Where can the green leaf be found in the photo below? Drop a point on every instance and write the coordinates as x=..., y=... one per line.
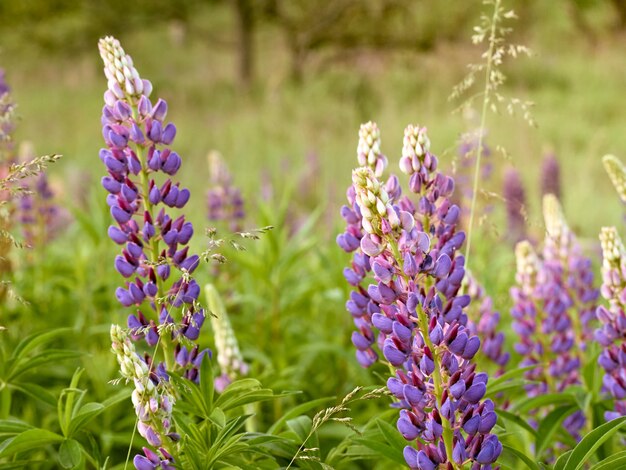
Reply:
x=33, y=341
x=28, y=440
x=50, y=356
x=84, y=415
x=381, y=449
x=392, y=436
x=70, y=453
x=297, y=411
x=120, y=396
x=13, y=427
x=218, y=417
x=521, y=456
x=549, y=425
x=37, y=392
x=562, y=460
x=301, y=427
x=544, y=400
x=513, y=374
x=613, y=462
x=590, y=443
x=508, y=416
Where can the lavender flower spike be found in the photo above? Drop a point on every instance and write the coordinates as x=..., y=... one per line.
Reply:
x=224, y=200
x=413, y=302
x=551, y=175
x=155, y=258
x=515, y=199
x=612, y=332
x=617, y=173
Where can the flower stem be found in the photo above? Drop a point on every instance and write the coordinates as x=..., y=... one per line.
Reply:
x=481, y=129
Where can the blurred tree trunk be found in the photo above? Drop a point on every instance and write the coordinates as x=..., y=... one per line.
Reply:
x=620, y=7
x=246, y=23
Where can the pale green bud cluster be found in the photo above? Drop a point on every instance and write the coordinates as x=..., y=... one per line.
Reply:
x=617, y=173
x=229, y=356
x=368, y=150
x=527, y=265
x=119, y=68
x=415, y=145
x=612, y=247
x=560, y=238
x=373, y=202
x=153, y=404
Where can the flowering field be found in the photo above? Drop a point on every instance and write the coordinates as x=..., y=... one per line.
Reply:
x=398, y=260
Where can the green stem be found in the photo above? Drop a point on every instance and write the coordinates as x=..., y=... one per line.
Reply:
x=481, y=129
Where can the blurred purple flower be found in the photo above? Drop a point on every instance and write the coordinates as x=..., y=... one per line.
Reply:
x=551, y=176
x=224, y=200
x=515, y=200
x=554, y=308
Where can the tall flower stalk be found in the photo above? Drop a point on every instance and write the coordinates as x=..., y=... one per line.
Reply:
x=612, y=331
x=155, y=258
x=414, y=300
x=554, y=305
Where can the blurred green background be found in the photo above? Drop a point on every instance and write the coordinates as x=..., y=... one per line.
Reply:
x=270, y=82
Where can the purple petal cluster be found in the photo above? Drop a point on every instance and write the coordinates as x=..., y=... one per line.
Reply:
x=612, y=331
x=515, y=201
x=413, y=302
x=484, y=322
x=155, y=258
x=224, y=200
x=42, y=220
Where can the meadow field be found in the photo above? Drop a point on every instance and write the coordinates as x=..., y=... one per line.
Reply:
x=272, y=279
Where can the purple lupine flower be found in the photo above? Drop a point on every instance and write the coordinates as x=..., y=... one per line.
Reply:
x=551, y=176
x=612, y=331
x=555, y=301
x=515, y=201
x=7, y=157
x=413, y=297
x=567, y=265
x=224, y=200
x=484, y=321
x=155, y=259
x=42, y=220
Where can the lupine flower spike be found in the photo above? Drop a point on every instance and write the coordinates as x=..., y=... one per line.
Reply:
x=224, y=200
x=414, y=303
x=612, y=331
x=155, y=260
x=616, y=171
x=42, y=220
x=7, y=157
x=229, y=357
x=554, y=301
